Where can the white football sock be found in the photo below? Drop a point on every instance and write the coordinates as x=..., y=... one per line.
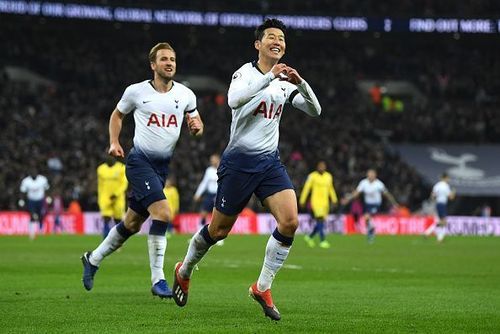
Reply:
x=32, y=227
x=198, y=247
x=157, y=245
x=441, y=233
x=276, y=254
x=111, y=243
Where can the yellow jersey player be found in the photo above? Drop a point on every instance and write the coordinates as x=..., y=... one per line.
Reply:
x=320, y=185
x=172, y=195
x=111, y=187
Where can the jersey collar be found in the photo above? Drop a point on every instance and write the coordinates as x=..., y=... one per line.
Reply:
x=254, y=64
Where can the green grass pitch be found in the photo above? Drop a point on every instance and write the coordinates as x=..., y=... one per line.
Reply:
x=397, y=285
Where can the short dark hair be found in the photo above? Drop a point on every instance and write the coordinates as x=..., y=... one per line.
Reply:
x=269, y=23
x=444, y=175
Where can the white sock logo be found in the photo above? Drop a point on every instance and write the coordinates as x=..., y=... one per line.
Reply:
x=147, y=184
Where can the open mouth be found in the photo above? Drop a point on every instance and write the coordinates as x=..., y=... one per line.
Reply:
x=275, y=50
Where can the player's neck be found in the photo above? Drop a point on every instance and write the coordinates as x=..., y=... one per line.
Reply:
x=265, y=64
x=161, y=85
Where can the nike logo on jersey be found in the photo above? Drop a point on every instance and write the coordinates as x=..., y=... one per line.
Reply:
x=144, y=102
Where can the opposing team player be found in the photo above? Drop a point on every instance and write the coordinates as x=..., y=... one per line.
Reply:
x=251, y=163
x=111, y=187
x=372, y=189
x=320, y=184
x=159, y=106
x=441, y=193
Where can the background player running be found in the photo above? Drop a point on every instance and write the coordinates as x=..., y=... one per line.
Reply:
x=372, y=189
x=441, y=193
x=251, y=164
x=320, y=184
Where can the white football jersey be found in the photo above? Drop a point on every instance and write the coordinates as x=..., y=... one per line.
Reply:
x=441, y=190
x=255, y=123
x=372, y=191
x=158, y=116
x=35, y=187
x=208, y=183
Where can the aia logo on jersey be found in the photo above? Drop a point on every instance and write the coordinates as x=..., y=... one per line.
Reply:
x=162, y=120
x=267, y=112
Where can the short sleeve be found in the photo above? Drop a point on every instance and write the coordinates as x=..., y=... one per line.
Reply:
x=127, y=102
x=382, y=186
x=360, y=187
x=191, y=105
x=23, y=187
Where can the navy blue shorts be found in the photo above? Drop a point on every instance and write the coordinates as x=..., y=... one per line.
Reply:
x=35, y=208
x=371, y=209
x=235, y=188
x=441, y=210
x=208, y=202
x=147, y=177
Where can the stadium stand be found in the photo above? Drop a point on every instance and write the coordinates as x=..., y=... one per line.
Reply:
x=86, y=66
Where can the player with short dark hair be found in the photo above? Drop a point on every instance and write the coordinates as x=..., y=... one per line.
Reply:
x=159, y=107
x=251, y=163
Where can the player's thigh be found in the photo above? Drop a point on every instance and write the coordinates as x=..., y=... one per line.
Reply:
x=320, y=211
x=221, y=224
x=119, y=209
x=283, y=206
x=234, y=190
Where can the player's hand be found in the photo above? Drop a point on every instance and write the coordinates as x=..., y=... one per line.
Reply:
x=116, y=150
x=196, y=198
x=194, y=124
x=280, y=71
x=293, y=76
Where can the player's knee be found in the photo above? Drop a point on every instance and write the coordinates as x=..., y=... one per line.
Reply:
x=219, y=232
x=289, y=225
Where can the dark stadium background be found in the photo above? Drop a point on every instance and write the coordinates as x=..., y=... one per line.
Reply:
x=90, y=62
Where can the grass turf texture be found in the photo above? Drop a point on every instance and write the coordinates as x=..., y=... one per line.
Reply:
x=398, y=285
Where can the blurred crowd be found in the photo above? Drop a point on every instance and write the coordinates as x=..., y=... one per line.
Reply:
x=401, y=8
x=61, y=127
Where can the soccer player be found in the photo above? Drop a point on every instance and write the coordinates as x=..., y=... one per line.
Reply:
x=372, y=189
x=159, y=106
x=172, y=195
x=251, y=163
x=320, y=184
x=34, y=186
x=111, y=187
x=441, y=193
x=207, y=189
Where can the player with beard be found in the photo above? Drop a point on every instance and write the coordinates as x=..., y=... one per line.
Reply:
x=159, y=106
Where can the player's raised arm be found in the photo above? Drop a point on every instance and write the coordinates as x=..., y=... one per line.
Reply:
x=306, y=100
x=242, y=89
x=115, y=127
x=390, y=197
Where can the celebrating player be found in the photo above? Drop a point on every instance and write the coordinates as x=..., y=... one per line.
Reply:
x=251, y=163
x=441, y=193
x=320, y=184
x=111, y=187
x=372, y=189
x=159, y=106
